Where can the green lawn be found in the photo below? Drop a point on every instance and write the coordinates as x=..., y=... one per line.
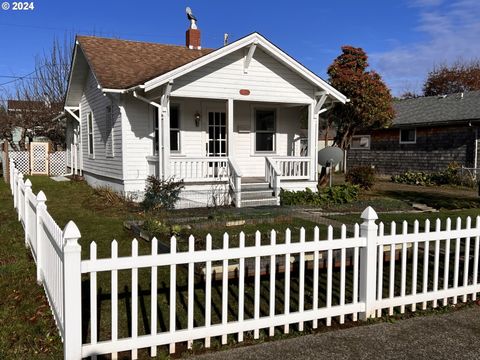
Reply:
x=100, y=219
x=27, y=328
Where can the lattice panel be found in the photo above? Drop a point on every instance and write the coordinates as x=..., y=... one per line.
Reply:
x=39, y=158
x=58, y=163
x=22, y=161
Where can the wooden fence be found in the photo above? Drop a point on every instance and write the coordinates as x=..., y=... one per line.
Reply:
x=363, y=275
x=30, y=161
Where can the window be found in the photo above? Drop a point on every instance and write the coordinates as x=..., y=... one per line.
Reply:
x=408, y=136
x=174, y=128
x=155, y=131
x=264, y=130
x=109, y=131
x=90, y=133
x=360, y=142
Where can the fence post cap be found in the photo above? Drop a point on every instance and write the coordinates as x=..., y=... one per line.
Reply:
x=369, y=214
x=28, y=183
x=71, y=231
x=41, y=196
x=20, y=176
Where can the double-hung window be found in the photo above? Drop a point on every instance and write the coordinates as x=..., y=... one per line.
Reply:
x=90, y=133
x=265, y=130
x=174, y=129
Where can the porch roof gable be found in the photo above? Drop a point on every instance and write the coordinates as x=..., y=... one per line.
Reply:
x=258, y=40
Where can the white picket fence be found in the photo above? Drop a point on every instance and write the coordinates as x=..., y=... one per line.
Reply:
x=367, y=274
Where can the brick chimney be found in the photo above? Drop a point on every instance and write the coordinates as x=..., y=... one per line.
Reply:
x=193, y=39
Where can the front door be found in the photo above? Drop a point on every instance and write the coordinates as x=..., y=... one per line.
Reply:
x=217, y=133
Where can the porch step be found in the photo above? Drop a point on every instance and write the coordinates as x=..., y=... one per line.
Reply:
x=255, y=186
x=257, y=194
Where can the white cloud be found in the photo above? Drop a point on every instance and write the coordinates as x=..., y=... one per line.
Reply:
x=451, y=32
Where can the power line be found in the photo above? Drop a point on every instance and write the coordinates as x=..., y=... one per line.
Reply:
x=19, y=78
x=27, y=76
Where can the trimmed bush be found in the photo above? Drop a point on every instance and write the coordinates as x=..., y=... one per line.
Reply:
x=339, y=194
x=161, y=193
x=364, y=176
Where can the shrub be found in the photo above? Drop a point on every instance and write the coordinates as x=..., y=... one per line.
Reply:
x=156, y=228
x=159, y=228
x=450, y=176
x=161, y=193
x=339, y=194
x=414, y=178
x=364, y=176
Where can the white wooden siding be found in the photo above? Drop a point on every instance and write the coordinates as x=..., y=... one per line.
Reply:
x=193, y=139
x=287, y=129
x=94, y=101
x=137, y=126
x=267, y=80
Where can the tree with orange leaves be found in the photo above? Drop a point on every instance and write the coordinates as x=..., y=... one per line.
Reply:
x=370, y=105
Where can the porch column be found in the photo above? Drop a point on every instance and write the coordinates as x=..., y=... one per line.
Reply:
x=313, y=141
x=230, y=127
x=166, y=138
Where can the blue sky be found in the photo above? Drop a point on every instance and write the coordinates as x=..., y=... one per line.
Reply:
x=404, y=38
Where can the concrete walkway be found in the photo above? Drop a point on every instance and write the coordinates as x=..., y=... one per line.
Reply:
x=455, y=335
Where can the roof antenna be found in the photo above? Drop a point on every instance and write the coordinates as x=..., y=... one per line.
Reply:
x=225, y=39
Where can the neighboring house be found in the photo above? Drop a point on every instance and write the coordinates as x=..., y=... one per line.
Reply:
x=427, y=134
x=226, y=121
x=17, y=108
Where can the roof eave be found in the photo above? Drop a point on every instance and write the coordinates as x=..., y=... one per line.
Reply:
x=437, y=123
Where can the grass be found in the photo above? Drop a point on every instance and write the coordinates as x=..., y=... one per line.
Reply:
x=101, y=218
x=28, y=329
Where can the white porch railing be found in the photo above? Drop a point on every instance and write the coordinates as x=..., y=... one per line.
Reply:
x=293, y=167
x=200, y=169
x=235, y=182
x=272, y=175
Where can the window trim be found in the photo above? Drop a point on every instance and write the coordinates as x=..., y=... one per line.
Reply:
x=112, y=154
x=90, y=132
x=254, y=121
x=408, y=142
x=361, y=148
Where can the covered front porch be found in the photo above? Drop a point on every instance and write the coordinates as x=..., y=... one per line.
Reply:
x=253, y=148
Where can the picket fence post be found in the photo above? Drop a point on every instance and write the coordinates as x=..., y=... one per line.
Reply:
x=11, y=168
x=14, y=191
x=26, y=205
x=41, y=198
x=19, y=196
x=368, y=263
x=72, y=293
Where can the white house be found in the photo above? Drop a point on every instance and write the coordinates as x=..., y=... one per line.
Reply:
x=234, y=123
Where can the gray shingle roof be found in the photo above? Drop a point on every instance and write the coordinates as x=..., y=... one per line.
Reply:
x=437, y=110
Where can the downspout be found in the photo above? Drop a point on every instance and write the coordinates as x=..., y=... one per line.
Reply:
x=161, y=145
